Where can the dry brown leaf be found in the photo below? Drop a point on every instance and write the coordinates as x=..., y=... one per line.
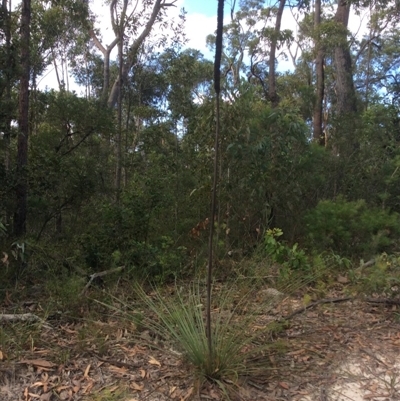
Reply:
x=75, y=389
x=42, y=363
x=154, y=361
x=136, y=386
x=342, y=279
x=88, y=388
x=1, y=355
x=142, y=373
x=46, y=396
x=284, y=385
x=86, y=374
x=116, y=369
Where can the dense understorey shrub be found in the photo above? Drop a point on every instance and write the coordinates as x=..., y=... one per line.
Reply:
x=352, y=229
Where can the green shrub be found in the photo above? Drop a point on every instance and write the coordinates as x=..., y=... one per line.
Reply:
x=351, y=229
x=382, y=277
x=290, y=257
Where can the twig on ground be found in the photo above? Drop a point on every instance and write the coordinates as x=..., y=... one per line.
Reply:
x=24, y=317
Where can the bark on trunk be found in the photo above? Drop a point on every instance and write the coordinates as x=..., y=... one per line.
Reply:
x=106, y=66
x=346, y=97
x=23, y=122
x=318, y=134
x=119, y=135
x=7, y=87
x=272, y=94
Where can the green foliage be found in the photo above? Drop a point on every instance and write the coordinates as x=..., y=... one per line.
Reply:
x=65, y=292
x=382, y=278
x=291, y=258
x=122, y=235
x=351, y=228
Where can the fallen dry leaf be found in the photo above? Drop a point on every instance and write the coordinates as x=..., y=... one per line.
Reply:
x=136, y=386
x=46, y=396
x=284, y=385
x=86, y=374
x=42, y=363
x=154, y=361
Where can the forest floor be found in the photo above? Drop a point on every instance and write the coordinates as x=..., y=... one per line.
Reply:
x=338, y=351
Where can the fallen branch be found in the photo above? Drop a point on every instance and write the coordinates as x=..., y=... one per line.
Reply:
x=100, y=274
x=368, y=264
x=313, y=304
x=24, y=317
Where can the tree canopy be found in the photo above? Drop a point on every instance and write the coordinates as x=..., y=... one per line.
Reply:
x=122, y=173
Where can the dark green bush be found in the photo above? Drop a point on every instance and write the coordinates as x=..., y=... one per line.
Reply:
x=351, y=229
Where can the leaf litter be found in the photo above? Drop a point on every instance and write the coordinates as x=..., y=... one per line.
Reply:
x=335, y=351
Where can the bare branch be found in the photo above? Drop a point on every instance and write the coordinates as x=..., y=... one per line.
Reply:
x=101, y=274
x=97, y=42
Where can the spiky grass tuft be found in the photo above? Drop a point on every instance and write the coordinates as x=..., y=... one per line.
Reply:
x=239, y=345
x=242, y=339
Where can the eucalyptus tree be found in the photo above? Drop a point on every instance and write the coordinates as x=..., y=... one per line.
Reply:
x=346, y=94
x=59, y=36
x=318, y=134
x=251, y=44
x=134, y=26
x=21, y=188
x=377, y=56
x=8, y=79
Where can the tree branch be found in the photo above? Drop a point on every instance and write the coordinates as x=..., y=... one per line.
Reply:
x=133, y=51
x=97, y=42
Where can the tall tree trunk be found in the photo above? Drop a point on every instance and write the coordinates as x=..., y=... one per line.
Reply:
x=346, y=96
x=318, y=134
x=8, y=82
x=272, y=94
x=23, y=123
x=119, y=133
